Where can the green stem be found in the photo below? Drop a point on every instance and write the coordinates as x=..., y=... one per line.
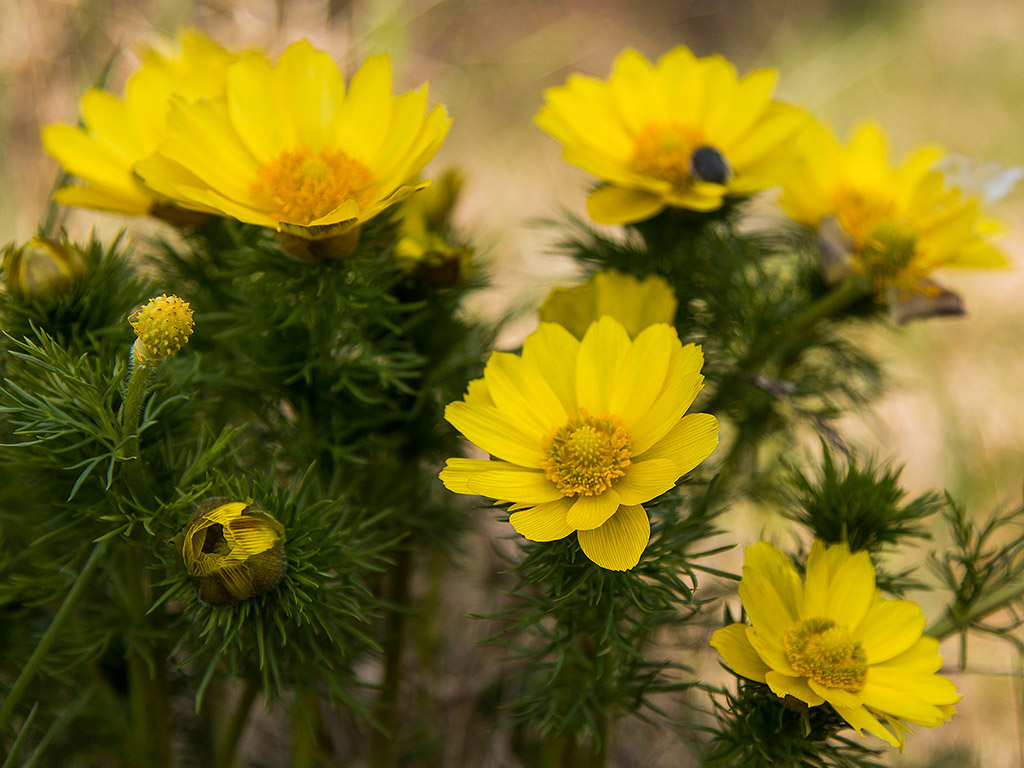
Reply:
x=235, y=727
x=304, y=729
x=131, y=412
x=777, y=345
x=384, y=740
x=957, y=619
x=48, y=638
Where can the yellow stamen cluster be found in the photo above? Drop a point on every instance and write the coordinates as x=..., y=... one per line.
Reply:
x=587, y=454
x=302, y=186
x=163, y=326
x=664, y=152
x=819, y=649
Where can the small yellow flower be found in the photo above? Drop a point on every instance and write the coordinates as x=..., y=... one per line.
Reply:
x=233, y=551
x=42, y=268
x=833, y=639
x=424, y=226
x=634, y=303
x=583, y=433
x=117, y=133
x=898, y=223
x=163, y=326
x=682, y=133
x=290, y=147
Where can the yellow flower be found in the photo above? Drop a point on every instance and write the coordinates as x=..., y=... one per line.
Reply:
x=682, y=133
x=163, y=326
x=898, y=223
x=233, y=551
x=583, y=433
x=288, y=147
x=42, y=268
x=634, y=303
x=833, y=639
x=118, y=133
x=424, y=226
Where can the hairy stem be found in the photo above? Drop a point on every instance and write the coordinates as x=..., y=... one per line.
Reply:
x=958, y=618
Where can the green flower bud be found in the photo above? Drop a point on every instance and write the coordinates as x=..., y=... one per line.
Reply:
x=42, y=268
x=163, y=326
x=233, y=551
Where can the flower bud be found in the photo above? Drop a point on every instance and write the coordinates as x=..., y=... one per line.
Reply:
x=163, y=326
x=42, y=268
x=233, y=551
x=424, y=247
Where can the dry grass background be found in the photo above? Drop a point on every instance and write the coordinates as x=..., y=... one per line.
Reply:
x=929, y=70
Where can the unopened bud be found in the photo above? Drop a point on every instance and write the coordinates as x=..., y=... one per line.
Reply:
x=233, y=551
x=42, y=268
x=163, y=326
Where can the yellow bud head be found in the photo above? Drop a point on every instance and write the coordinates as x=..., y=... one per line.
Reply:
x=162, y=326
x=233, y=551
x=42, y=268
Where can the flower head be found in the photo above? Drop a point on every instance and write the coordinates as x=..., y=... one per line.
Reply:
x=233, y=551
x=290, y=147
x=117, y=133
x=163, y=326
x=833, y=639
x=682, y=133
x=42, y=268
x=897, y=223
x=424, y=247
x=634, y=303
x=582, y=433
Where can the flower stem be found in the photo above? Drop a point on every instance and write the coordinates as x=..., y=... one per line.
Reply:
x=235, y=727
x=131, y=411
x=958, y=618
x=51, y=634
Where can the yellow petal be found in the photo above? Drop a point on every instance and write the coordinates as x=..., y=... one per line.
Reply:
x=617, y=205
x=770, y=590
x=852, y=591
x=769, y=648
x=366, y=114
x=641, y=373
x=254, y=110
x=889, y=628
x=544, y=522
x=688, y=443
x=102, y=200
x=490, y=429
x=862, y=720
x=552, y=349
x=309, y=92
x=601, y=352
x=784, y=685
x=498, y=480
x=904, y=696
x=618, y=544
x=922, y=656
x=739, y=654
x=682, y=383
x=822, y=564
x=521, y=392
x=589, y=512
x=646, y=480
x=837, y=697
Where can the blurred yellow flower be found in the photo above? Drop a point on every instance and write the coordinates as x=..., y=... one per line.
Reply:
x=289, y=147
x=424, y=244
x=233, y=551
x=682, y=133
x=634, y=303
x=117, y=133
x=42, y=268
x=583, y=433
x=897, y=223
x=833, y=639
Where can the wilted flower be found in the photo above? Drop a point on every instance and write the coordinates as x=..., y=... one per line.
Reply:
x=634, y=303
x=894, y=224
x=233, y=551
x=289, y=147
x=42, y=268
x=583, y=433
x=682, y=133
x=833, y=639
x=163, y=326
x=117, y=133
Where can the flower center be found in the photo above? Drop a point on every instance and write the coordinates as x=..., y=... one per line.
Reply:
x=826, y=653
x=301, y=186
x=587, y=454
x=677, y=155
x=890, y=249
x=857, y=212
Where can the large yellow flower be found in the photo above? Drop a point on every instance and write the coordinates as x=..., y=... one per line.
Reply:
x=634, y=303
x=583, y=433
x=289, y=147
x=684, y=133
x=833, y=639
x=118, y=133
x=898, y=223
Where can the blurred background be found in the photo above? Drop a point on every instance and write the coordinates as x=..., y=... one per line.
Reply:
x=942, y=71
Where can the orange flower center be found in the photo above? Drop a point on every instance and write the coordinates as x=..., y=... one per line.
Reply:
x=677, y=154
x=858, y=213
x=826, y=653
x=301, y=186
x=587, y=454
